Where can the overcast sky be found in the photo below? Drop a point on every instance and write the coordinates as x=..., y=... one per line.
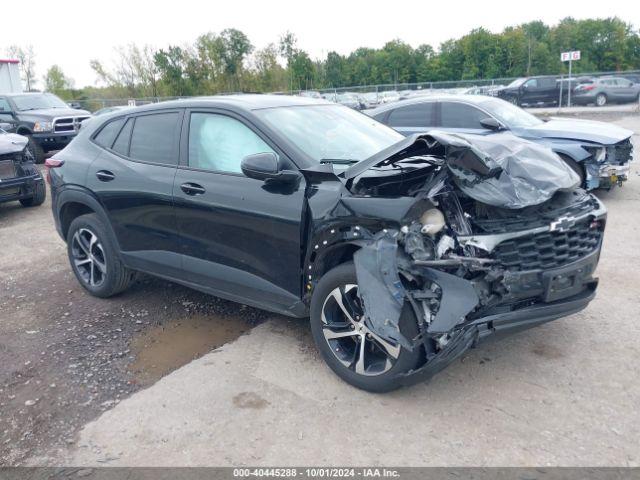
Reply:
x=73, y=32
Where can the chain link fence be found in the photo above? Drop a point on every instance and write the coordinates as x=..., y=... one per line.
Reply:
x=369, y=95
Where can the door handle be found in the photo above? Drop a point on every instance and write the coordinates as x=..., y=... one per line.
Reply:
x=105, y=175
x=192, y=188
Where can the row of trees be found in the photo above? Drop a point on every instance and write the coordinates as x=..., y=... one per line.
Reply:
x=229, y=62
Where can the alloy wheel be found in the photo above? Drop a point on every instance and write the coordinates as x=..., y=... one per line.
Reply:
x=351, y=341
x=88, y=257
x=601, y=100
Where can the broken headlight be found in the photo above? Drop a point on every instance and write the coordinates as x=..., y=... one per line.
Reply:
x=598, y=153
x=432, y=221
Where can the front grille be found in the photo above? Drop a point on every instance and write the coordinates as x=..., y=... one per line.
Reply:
x=547, y=250
x=68, y=124
x=621, y=152
x=7, y=169
x=487, y=219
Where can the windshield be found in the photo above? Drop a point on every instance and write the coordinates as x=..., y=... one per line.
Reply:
x=510, y=115
x=330, y=132
x=516, y=83
x=34, y=102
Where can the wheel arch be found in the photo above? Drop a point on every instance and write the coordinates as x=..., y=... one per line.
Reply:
x=72, y=203
x=323, y=257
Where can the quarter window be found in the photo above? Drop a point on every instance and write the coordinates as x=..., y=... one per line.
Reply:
x=419, y=115
x=107, y=135
x=153, y=138
x=219, y=143
x=121, y=144
x=459, y=115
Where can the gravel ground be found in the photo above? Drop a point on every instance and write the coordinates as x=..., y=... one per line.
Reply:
x=66, y=357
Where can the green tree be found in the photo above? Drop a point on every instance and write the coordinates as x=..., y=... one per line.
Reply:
x=55, y=81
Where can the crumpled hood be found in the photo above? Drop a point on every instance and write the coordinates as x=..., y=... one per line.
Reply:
x=12, y=143
x=500, y=170
x=583, y=130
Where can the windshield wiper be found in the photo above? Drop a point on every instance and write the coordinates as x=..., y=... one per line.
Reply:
x=339, y=161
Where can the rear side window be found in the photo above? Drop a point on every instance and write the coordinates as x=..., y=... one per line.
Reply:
x=419, y=115
x=153, y=138
x=459, y=115
x=121, y=144
x=107, y=135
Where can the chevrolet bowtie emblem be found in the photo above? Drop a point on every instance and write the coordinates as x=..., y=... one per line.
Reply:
x=562, y=224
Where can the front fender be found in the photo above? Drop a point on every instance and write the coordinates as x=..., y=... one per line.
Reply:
x=573, y=150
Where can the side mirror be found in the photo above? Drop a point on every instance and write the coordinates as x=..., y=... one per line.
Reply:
x=491, y=123
x=267, y=167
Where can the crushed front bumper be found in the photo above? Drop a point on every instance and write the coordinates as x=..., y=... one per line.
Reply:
x=19, y=188
x=474, y=332
x=611, y=175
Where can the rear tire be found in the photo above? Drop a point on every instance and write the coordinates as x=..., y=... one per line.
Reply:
x=36, y=150
x=358, y=356
x=38, y=198
x=601, y=100
x=94, y=258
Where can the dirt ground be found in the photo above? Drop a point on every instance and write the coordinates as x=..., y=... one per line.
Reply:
x=66, y=356
x=85, y=381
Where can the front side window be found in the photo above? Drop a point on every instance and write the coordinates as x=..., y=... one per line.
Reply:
x=459, y=115
x=4, y=105
x=153, y=138
x=219, y=143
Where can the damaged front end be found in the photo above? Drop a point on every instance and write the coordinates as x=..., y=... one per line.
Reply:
x=477, y=235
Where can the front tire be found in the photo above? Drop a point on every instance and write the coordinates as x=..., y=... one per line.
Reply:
x=513, y=101
x=36, y=150
x=576, y=167
x=94, y=258
x=356, y=354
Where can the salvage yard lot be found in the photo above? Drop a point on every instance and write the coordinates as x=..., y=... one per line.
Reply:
x=86, y=381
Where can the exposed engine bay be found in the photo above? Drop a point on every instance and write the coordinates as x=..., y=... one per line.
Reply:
x=495, y=235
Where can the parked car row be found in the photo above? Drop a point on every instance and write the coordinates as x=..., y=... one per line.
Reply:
x=405, y=246
x=598, y=152
x=584, y=90
x=524, y=91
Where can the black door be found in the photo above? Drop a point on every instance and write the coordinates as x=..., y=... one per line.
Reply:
x=133, y=178
x=240, y=236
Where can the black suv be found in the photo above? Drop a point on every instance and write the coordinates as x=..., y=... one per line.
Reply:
x=43, y=118
x=20, y=179
x=404, y=252
x=532, y=91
